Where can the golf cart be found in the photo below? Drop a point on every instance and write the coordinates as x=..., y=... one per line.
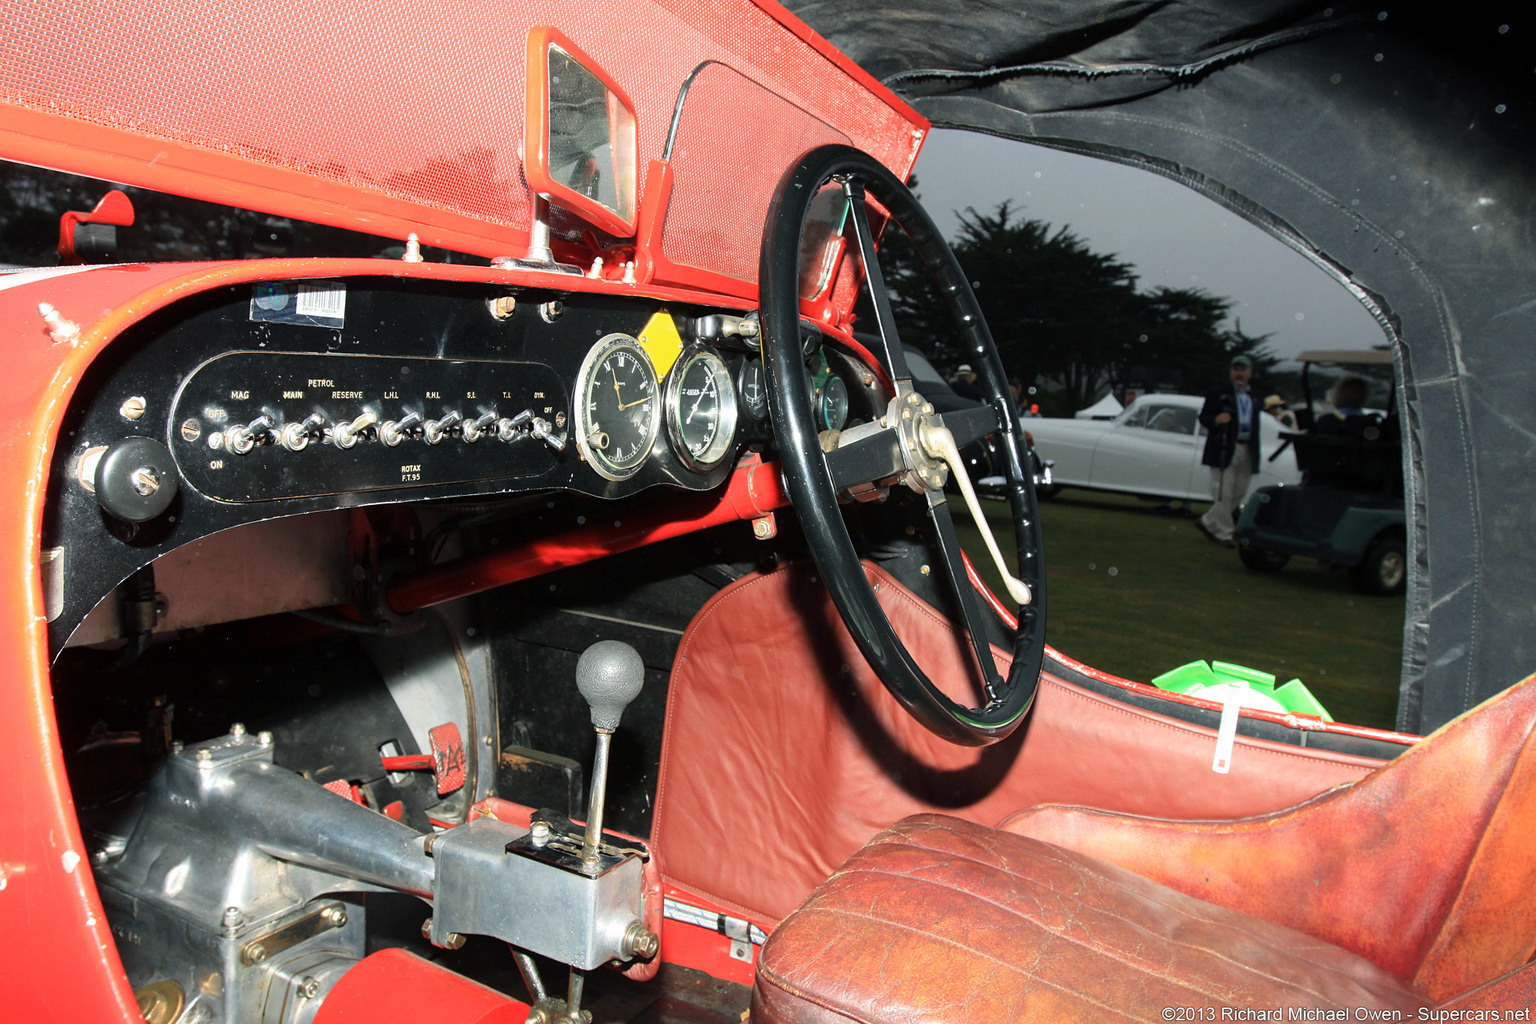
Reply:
x=1348, y=510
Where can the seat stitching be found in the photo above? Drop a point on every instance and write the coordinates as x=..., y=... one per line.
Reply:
x=773, y=978
x=1099, y=949
x=986, y=956
x=1209, y=921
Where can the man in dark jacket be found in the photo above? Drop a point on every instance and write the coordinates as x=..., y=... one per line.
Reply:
x=1231, y=418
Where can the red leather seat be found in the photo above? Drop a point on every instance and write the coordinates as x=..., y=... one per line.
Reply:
x=1408, y=888
x=939, y=919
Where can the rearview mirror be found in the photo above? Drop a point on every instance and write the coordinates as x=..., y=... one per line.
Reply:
x=581, y=146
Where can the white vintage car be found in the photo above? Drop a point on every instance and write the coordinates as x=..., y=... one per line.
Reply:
x=1152, y=448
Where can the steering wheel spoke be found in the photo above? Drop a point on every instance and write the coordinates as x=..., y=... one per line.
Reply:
x=968, y=426
x=880, y=297
x=910, y=443
x=864, y=459
x=971, y=611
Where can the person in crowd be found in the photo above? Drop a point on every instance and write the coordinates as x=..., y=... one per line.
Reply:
x=1348, y=417
x=1231, y=418
x=965, y=385
x=1276, y=407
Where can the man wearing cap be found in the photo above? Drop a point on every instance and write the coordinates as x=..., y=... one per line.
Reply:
x=1231, y=418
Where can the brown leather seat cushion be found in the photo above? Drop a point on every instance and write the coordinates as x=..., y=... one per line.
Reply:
x=938, y=919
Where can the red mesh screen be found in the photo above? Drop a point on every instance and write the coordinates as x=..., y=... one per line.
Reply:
x=412, y=107
x=715, y=169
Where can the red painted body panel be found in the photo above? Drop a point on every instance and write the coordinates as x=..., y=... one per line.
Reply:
x=400, y=118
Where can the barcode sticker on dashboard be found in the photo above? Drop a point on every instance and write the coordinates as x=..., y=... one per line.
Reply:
x=323, y=299
x=308, y=303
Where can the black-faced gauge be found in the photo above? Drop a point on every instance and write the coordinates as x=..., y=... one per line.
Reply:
x=752, y=389
x=701, y=408
x=618, y=407
x=833, y=403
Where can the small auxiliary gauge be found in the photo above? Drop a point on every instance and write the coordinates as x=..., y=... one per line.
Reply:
x=618, y=407
x=701, y=408
x=753, y=390
x=833, y=403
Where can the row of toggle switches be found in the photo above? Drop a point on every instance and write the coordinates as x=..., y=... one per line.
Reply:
x=297, y=436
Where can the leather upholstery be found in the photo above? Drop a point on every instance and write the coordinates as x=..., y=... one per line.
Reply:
x=783, y=754
x=939, y=919
x=1427, y=867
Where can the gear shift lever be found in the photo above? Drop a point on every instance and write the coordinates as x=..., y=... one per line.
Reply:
x=609, y=676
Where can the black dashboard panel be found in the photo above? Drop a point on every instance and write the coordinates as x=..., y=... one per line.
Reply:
x=228, y=379
x=260, y=426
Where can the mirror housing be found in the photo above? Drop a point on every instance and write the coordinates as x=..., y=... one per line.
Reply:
x=582, y=145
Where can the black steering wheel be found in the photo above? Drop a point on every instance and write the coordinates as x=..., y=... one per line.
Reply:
x=902, y=449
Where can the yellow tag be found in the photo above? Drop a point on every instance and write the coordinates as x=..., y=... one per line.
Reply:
x=661, y=342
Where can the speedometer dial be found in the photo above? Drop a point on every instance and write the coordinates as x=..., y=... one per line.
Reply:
x=618, y=407
x=701, y=408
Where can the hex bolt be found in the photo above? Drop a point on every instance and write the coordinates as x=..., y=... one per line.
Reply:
x=309, y=986
x=540, y=833
x=453, y=940
x=639, y=941
x=428, y=843
x=552, y=310
x=237, y=729
x=503, y=306
x=255, y=952
x=264, y=738
x=204, y=756
x=232, y=917
x=336, y=914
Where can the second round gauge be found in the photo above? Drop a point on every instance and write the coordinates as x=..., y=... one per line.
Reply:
x=701, y=408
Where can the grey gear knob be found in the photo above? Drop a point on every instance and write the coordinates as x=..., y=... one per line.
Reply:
x=609, y=676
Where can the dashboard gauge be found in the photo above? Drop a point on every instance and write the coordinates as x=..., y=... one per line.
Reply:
x=833, y=403
x=701, y=408
x=753, y=390
x=618, y=407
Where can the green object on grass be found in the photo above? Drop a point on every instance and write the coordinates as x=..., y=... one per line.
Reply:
x=1197, y=675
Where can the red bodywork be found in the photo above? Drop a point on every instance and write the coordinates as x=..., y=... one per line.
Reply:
x=406, y=120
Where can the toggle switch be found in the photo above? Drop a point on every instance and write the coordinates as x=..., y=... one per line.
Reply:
x=546, y=433
x=296, y=436
x=241, y=440
x=474, y=430
x=437, y=429
x=392, y=432
x=346, y=435
x=511, y=428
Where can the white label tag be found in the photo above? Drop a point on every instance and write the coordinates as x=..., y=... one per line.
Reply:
x=1225, y=736
x=326, y=299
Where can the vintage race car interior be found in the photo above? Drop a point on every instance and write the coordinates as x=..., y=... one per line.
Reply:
x=467, y=567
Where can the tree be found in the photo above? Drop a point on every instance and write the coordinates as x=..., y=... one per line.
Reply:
x=1062, y=313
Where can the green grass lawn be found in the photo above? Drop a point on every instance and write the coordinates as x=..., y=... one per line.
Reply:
x=1136, y=590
